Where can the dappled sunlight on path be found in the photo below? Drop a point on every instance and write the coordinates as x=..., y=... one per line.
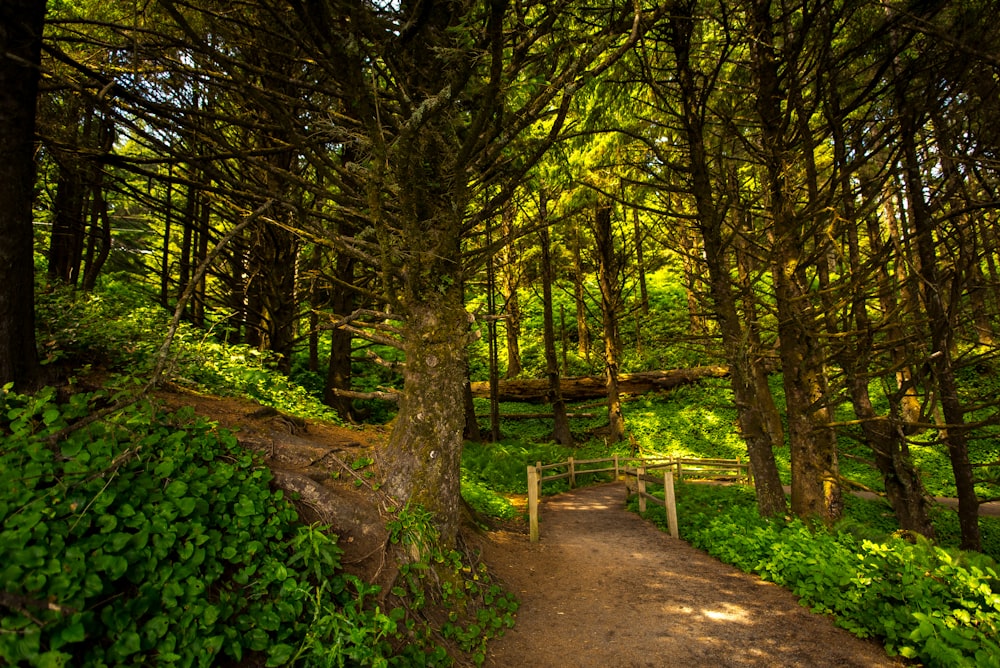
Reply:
x=604, y=588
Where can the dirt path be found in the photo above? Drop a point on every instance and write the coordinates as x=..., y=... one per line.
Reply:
x=603, y=588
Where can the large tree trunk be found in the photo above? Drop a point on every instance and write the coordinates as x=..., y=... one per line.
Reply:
x=423, y=456
x=20, y=53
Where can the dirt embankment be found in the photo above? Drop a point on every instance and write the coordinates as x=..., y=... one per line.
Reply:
x=602, y=588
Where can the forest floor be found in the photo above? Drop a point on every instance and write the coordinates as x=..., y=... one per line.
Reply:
x=601, y=588
x=605, y=588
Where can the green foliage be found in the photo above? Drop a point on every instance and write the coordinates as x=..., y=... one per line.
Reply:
x=486, y=501
x=502, y=466
x=118, y=326
x=697, y=420
x=146, y=538
x=477, y=609
x=938, y=606
x=658, y=345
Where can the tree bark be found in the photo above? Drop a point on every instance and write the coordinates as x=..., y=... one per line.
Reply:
x=640, y=263
x=882, y=433
x=21, y=23
x=607, y=279
x=68, y=229
x=759, y=422
x=580, y=297
x=815, y=476
x=338, y=373
x=99, y=238
x=423, y=458
x=510, y=273
x=560, y=425
x=941, y=336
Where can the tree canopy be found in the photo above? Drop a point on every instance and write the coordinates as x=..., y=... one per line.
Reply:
x=822, y=174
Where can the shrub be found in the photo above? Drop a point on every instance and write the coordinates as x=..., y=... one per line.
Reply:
x=120, y=328
x=146, y=538
x=941, y=607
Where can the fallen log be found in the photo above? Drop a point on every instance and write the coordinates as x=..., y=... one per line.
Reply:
x=578, y=388
x=351, y=394
x=537, y=416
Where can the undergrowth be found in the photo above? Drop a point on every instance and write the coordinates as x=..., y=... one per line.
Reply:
x=939, y=606
x=151, y=538
x=476, y=609
x=118, y=328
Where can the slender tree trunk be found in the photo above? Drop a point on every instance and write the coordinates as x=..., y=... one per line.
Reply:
x=689, y=261
x=882, y=433
x=901, y=282
x=168, y=217
x=21, y=24
x=640, y=262
x=607, y=278
x=99, y=243
x=68, y=229
x=99, y=246
x=940, y=360
x=237, y=293
x=510, y=272
x=472, y=432
x=560, y=429
x=579, y=297
x=494, y=352
x=342, y=303
x=187, y=239
x=760, y=425
x=815, y=476
x=564, y=337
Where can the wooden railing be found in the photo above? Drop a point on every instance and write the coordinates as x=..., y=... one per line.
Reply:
x=642, y=478
x=630, y=467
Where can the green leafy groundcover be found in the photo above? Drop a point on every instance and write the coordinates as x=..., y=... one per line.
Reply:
x=145, y=538
x=941, y=607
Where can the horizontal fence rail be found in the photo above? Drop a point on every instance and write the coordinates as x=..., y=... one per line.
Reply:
x=629, y=468
x=669, y=502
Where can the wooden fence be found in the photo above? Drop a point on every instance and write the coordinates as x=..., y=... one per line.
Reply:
x=637, y=468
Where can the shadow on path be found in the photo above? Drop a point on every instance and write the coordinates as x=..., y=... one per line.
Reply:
x=604, y=588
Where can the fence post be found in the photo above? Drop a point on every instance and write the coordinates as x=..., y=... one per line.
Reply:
x=671, y=502
x=616, y=467
x=641, y=485
x=533, y=483
x=572, y=473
